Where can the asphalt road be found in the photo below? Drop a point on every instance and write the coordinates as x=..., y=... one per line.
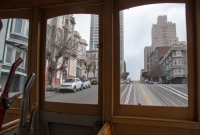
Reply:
x=136, y=93
x=85, y=96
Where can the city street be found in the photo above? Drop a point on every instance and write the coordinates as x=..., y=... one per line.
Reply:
x=141, y=93
x=136, y=93
x=85, y=96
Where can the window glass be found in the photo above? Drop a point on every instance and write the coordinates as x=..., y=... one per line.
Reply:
x=18, y=25
x=8, y=55
x=71, y=54
x=27, y=28
x=13, y=46
x=153, y=45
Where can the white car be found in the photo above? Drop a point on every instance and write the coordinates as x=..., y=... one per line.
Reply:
x=85, y=82
x=70, y=84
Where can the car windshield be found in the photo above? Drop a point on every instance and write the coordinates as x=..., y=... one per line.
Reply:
x=83, y=79
x=70, y=80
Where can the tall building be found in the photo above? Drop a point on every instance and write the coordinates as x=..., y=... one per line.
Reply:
x=94, y=37
x=94, y=32
x=147, y=52
x=121, y=19
x=163, y=33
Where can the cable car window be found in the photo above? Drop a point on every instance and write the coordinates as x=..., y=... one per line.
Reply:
x=14, y=45
x=71, y=72
x=153, y=56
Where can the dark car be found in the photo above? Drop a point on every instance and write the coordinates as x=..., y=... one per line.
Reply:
x=94, y=81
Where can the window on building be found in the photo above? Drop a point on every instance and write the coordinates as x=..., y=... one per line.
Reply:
x=27, y=28
x=8, y=55
x=18, y=25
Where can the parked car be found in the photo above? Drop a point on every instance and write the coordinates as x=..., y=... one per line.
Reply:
x=127, y=82
x=150, y=82
x=70, y=84
x=85, y=82
x=94, y=81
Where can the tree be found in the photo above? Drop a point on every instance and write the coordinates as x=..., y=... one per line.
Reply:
x=145, y=74
x=90, y=63
x=156, y=72
x=64, y=50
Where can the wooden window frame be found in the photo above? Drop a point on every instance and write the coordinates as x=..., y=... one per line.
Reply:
x=75, y=108
x=13, y=112
x=134, y=114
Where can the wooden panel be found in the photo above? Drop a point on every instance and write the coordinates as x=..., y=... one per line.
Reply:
x=127, y=129
x=108, y=60
x=198, y=57
x=33, y=58
x=157, y=122
x=72, y=108
x=34, y=3
x=106, y=129
x=124, y=4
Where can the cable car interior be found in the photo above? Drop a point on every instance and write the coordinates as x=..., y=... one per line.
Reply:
x=106, y=67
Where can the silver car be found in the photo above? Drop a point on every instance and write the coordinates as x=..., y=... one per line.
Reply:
x=71, y=84
x=85, y=82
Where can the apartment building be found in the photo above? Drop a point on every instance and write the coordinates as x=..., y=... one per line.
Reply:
x=163, y=33
x=66, y=49
x=155, y=58
x=14, y=44
x=94, y=36
x=175, y=64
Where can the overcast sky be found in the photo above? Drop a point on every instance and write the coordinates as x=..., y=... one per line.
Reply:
x=137, y=31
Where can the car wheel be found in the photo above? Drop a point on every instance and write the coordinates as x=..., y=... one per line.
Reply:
x=74, y=90
x=89, y=86
x=81, y=87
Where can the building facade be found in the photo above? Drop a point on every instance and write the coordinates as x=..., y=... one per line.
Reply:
x=94, y=36
x=94, y=32
x=147, y=52
x=163, y=33
x=175, y=64
x=156, y=72
x=121, y=24
x=66, y=49
x=14, y=45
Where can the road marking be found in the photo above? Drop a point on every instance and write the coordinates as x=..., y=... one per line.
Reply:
x=146, y=96
x=128, y=95
x=174, y=92
x=123, y=91
x=134, y=94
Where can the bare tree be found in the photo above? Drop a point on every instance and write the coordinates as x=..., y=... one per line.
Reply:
x=156, y=72
x=64, y=49
x=90, y=63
